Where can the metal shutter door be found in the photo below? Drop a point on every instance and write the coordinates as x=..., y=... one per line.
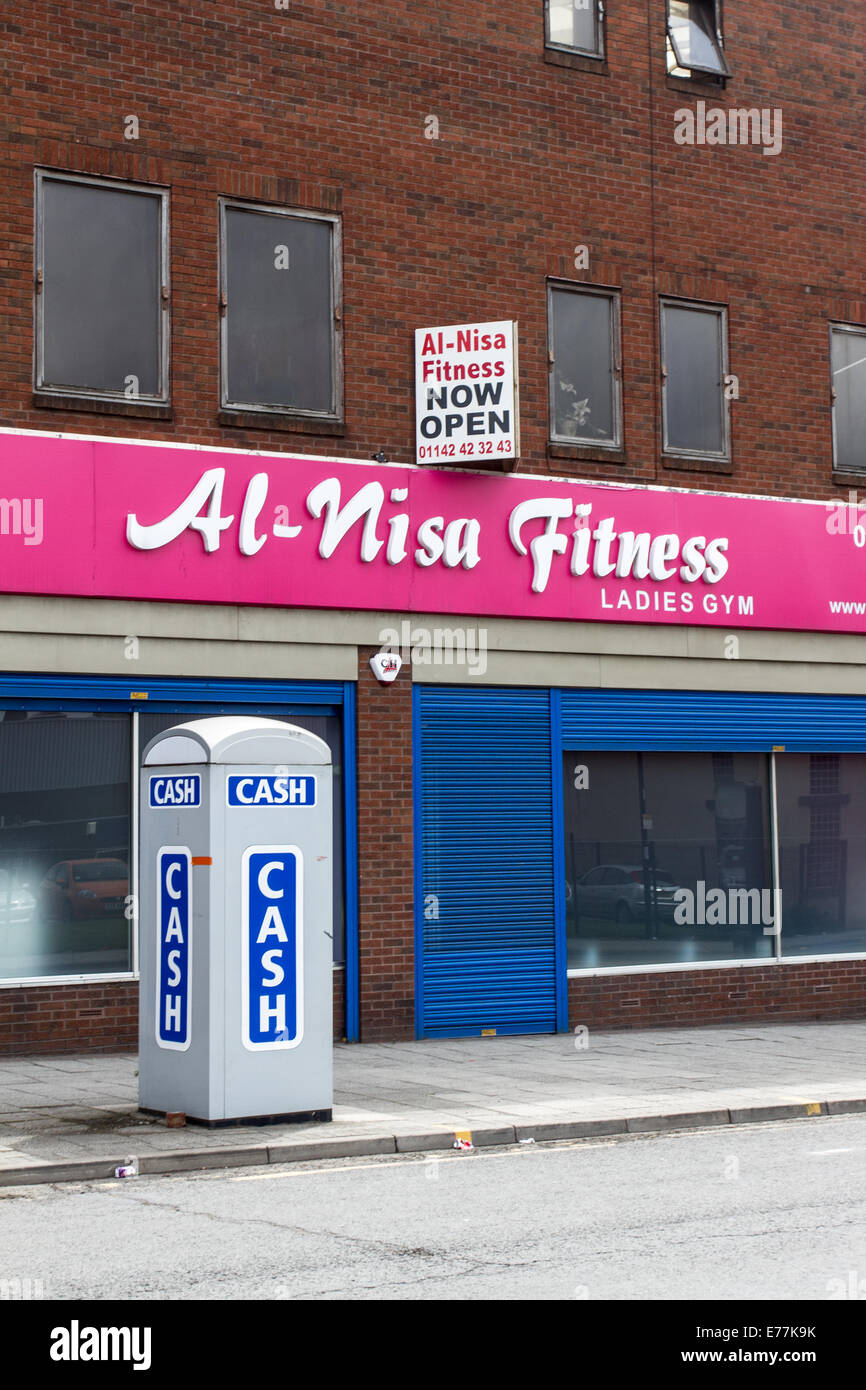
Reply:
x=718, y=721
x=484, y=861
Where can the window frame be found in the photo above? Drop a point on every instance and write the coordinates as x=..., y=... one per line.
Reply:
x=598, y=291
x=681, y=69
x=857, y=330
x=598, y=52
x=721, y=312
x=43, y=176
x=336, y=415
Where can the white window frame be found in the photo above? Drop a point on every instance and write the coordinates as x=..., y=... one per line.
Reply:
x=598, y=51
x=336, y=413
x=134, y=885
x=676, y=69
x=858, y=331
x=587, y=441
x=43, y=176
x=720, y=310
x=776, y=957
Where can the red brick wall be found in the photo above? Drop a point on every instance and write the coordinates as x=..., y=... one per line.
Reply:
x=750, y=994
x=385, y=880
x=104, y=1017
x=69, y=1018
x=324, y=106
x=339, y=1005
x=90, y=1018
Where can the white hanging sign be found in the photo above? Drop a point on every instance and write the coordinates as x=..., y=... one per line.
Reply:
x=466, y=407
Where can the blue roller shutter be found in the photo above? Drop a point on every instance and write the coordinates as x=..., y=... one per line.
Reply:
x=112, y=692
x=718, y=721
x=484, y=862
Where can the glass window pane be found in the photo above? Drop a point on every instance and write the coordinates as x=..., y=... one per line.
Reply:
x=279, y=323
x=101, y=287
x=694, y=418
x=822, y=852
x=327, y=727
x=667, y=858
x=574, y=24
x=583, y=386
x=64, y=843
x=848, y=365
x=692, y=24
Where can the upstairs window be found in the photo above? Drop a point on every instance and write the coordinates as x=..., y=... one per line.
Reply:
x=101, y=289
x=281, y=314
x=848, y=394
x=694, y=364
x=583, y=340
x=575, y=25
x=694, y=39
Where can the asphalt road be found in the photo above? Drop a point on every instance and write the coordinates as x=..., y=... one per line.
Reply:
x=776, y=1211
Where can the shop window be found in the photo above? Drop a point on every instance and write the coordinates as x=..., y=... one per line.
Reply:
x=102, y=326
x=848, y=396
x=583, y=332
x=64, y=844
x=695, y=43
x=65, y=882
x=822, y=852
x=694, y=364
x=667, y=858
x=575, y=25
x=280, y=311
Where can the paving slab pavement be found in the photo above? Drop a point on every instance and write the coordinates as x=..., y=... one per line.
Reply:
x=77, y=1117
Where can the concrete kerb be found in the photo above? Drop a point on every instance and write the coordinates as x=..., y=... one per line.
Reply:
x=332, y=1148
x=445, y=1139
x=759, y=1113
x=845, y=1107
x=185, y=1160
x=261, y=1155
x=694, y=1119
x=576, y=1129
x=80, y=1170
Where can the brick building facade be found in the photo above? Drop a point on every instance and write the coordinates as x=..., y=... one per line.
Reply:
x=473, y=166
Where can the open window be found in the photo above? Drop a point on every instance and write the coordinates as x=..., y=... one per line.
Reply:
x=695, y=43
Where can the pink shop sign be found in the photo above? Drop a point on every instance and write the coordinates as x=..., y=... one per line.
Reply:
x=123, y=519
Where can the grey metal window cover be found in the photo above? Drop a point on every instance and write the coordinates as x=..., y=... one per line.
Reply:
x=710, y=391
x=695, y=32
x=255, y=383
x=586, y=22
x=601, y=363
x=111, y=280
x=848, y=396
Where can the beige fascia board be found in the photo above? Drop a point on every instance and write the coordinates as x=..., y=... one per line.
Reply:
x=182, y=658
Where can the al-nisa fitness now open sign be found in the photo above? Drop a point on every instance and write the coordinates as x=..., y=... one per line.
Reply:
x=121, y=519
x=466, y=393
